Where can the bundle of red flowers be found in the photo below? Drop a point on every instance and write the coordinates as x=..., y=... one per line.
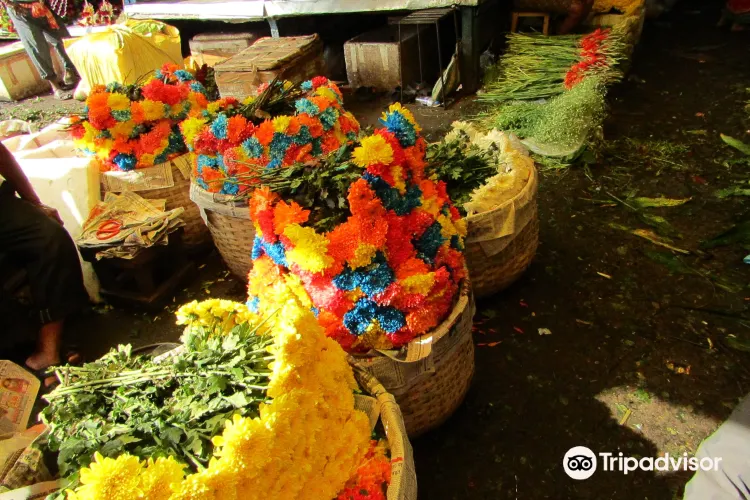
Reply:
x=594, y=54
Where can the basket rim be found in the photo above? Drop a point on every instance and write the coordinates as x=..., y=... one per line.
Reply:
x=532, y=181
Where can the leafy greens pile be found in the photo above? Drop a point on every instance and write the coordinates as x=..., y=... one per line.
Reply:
x=127, y=403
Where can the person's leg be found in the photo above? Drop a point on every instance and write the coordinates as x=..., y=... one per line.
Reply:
x=55, y=38
x=43, y=246
x=32, y=38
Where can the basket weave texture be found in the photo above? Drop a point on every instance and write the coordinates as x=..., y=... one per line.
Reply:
x=501, y=243
x=428, y=390
x=403, y=485
x=230, y=226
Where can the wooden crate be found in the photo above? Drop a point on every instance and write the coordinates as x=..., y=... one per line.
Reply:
x=372, y=58
x=214, y=48
x=18, y=76
x=291, y=58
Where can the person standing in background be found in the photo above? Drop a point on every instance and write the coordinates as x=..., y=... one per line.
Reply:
x=39, y=29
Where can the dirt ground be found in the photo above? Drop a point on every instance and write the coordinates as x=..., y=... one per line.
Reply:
x=638, y=359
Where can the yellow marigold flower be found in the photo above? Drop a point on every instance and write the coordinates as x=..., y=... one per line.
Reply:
x=419, y=283
x=213, y=107
x=248, y=100
x=161, y=478
x=327, y=93
x=152, y=110
x=281, y=123
x=310, y=248
x=398, y=107
x=363, y=255
x=398, y=179
x=122, y=129
x=110, y=479
x=118, y=102
x=191, y=128
x=373, y=149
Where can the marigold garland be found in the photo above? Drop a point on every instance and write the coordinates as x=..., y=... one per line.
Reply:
x=289, y=452
x=128, y=127
x=229, y=150
x=386, y=275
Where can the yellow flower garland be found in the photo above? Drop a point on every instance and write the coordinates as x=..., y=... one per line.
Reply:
x=307, y=443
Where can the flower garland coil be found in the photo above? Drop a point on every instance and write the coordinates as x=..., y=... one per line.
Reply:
x=501, y=243
x=403, y=485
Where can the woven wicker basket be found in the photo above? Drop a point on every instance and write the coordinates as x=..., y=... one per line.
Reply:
x=403, y=485
x=178, y=195
x=498, y=257
x=230, y=226
x=430, y=383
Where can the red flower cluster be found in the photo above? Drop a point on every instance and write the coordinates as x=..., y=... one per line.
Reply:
x=591, y=57
x=372, y=477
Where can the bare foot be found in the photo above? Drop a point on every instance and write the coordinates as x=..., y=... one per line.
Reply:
x=40, y=361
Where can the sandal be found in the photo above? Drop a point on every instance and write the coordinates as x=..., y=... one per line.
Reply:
x=63, y=95
x=71, y=79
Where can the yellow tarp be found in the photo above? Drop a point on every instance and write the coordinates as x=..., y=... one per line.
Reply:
x=125, y=52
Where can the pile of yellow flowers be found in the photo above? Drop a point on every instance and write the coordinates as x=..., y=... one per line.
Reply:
x=306, y=444
x=214, y=314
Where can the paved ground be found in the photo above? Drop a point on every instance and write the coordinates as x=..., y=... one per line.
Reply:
x=639, y=358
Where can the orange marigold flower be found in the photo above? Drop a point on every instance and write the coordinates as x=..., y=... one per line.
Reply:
x=321, y=102
x=214, y=179
x=262, y=199
x=284, y=214
x=238, y=129
x=264, y=133
x=312, y=124
x=136, y=113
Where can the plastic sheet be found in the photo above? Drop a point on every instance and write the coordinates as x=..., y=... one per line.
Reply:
x=64, y=181
x=125, y=53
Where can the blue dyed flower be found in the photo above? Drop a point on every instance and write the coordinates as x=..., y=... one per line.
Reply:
x=429, y=243
x=161, y=158
x=125, y=162
x=279, y=144
x=201, y=183
x=306, y=106
x=306, y=85
x=372, y=279
x=219, y=126
x=391, y=198
x=253, y=304
x=183, y=76
x=317, y=147
x=358, y=319
x=303, y=137
x=456, y=243
x=401, y=127
x=206, y=161
x=252, y=147
x=158, y=74
x=365, y=311
x=273, y=164
x=176, y=142
x=115, y=87
x=315, y=311
x=230, y=188
x=328, y=118
x=198, y=87
x=274, y=250
x=391, y=319
x=122, y=115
